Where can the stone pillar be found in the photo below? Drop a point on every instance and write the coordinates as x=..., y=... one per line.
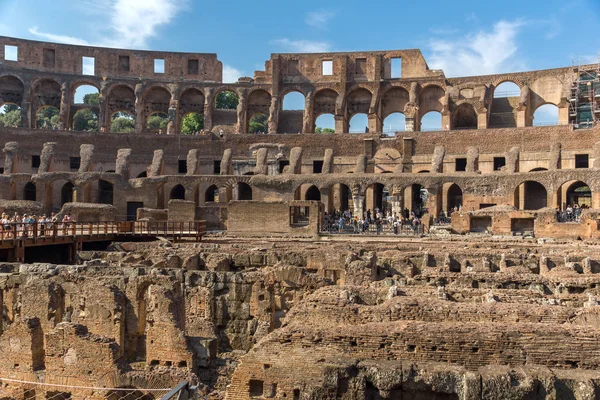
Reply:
x=437, y=162
x=139, y=108
x=26, y=115
x=328, y=162
x=261, y=162
x=472, y=159
x=226, y=163
x=103, y=118
x=359, y=205
x=47, y=158
x=482, y=119
x=172, y=112
x=308, y=121
x=563, y=112
x=295, y=161
x=242, y=122
x=273, y=114
x=10, y=157
x=208, y=109
x=123, y=164
x=434, y=205
x=374, y=123
x=340, y=124
x=86, y=156
x=523, y=115
x=157, y=167
x=326, y=200
x=361, y=164
x=193, y=162
x=65, y=103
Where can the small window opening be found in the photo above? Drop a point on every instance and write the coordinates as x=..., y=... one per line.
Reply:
x=49, y=56
x=193, y=67
x=499, y=162
x=74, y=162
x=88, y=65
x=293, y=68
x=282, y=165
x=396, y=68
x=256, y=388
x=217, y=167
x=327, y=67
x=182, y=364
x=460, y=164
x=317, y=166
x=182, y=167
x=299, y=215
x=11, y=53
x=159, y=66
x=582, y=161
x=35, y=161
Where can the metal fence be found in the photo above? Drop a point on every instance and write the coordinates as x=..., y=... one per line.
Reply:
x=13, y=389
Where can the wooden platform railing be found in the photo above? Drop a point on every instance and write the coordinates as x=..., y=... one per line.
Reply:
x=22, y=231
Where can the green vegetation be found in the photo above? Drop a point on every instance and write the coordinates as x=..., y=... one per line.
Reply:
x=10, y=116
x=47, y=118
x=227, y=100
x=192, y=123
x=258, y=123
x=326, y=131
x=157, y=122
x=122, y=123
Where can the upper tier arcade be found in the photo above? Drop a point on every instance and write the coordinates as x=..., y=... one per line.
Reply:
x=375, y=84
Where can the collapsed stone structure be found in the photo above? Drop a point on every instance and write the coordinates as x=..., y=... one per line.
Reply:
x=458, y=317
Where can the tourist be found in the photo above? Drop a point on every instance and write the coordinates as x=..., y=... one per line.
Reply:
x=395, y=225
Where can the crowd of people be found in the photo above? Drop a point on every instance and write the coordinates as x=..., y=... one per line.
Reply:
x=571, y=213
x=22, y=226
x=370, y=221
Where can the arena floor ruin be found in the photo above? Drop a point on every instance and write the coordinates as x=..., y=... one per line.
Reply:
x=209, y=260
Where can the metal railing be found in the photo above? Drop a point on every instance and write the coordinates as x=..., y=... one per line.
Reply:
x=38, y=230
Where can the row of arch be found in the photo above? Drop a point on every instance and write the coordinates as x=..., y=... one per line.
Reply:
x=354, y=110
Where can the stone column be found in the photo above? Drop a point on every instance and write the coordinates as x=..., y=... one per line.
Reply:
x=226, y=163
x=86, y=156
x=172, y=112
x=123, y=164
x=26, y=115
x=326, y=200
x=340, y=124
x=523, y=117
x=47, y=158
x=64, y=112
x=10, y=157
x=139, y=108
x=103, y=118
x=208, y=109
x=374, y=123
x=242, y=123
x=273, y=114
x=308, y=123
x=359, y=205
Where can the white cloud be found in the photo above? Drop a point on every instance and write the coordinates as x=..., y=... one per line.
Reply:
x=480, y=53
x=319, y=18
x=303, y=46
x=58, y=38
x=131, y=22
x=230, y=74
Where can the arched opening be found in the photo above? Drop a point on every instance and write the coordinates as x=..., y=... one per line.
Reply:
x=47, y=118
x=191, y=111
x=291, y=116
x=359, y=123
x=244, y=191
x=121, y=101
x=226, y=100
x=87, y=95
x=417, y=199
x=313, y=193
x=545, y=115
x=464, y=117
x=105, y=192
x=325, y=123
x=454, y=198
x=382, y=198
x=157, y=122
x=431, y=121
x=212, y=194
x=324, y=105
x=504, y=105
x=192, y=123
x=29, y=192
x=395, y=122
x=177, y=193
x=85, y=120
x=122, y=122
x=10, y=116
x=258, y=124
x=66, y=193
x=358, y=102
x=579, y=193
x=539, y=169
x=293, y=101
x=531, y=195
x=507, y=89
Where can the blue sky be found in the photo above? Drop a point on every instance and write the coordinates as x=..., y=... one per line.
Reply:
x=462, y=38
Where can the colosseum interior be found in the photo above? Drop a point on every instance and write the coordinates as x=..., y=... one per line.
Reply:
x=495, y=294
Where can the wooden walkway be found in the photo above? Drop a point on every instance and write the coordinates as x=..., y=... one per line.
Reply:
x=17, y=237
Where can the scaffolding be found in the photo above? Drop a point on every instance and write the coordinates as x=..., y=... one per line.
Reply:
x=584, y=99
